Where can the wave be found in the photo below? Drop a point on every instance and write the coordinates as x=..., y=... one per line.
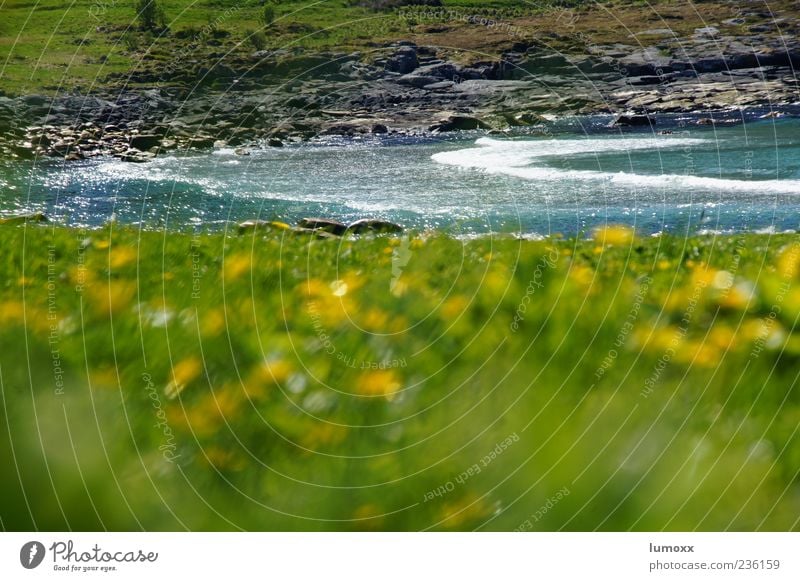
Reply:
x=518, y=158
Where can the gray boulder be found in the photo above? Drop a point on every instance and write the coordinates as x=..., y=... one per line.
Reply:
x=372, y=225
x=403, y=61
x=324, y=224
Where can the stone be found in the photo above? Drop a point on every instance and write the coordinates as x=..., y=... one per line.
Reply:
x=136, y=156
x=403, y=61
x=380, y=128
x=458, y=123
x=24, y=218
x=319, y=234
x=416, y=80
x=374, y=225
x=633, y=120
x=145, y=141
x=324, y=224
x=253, y=225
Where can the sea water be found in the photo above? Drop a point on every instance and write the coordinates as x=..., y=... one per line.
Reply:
x=566, y=177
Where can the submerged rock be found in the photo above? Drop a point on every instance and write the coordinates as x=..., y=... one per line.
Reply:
x=633, y=120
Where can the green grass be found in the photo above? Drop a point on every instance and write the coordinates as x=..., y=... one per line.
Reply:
x=163, y=381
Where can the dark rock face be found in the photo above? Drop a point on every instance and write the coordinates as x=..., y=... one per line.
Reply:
x=145, y=141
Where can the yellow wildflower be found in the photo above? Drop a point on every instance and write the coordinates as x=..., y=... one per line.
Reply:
x=581, y=274
x=615, y=235
x=12, y=312
x=183, y=373
x=468, y=509
x=453, y=307
x=120, y=256
x=111, y=297
x=236, y=265
x=338, y=288
x=212, y=323
x=788, y=261
x=368, y=517
x=379, y=382
x=223, y=459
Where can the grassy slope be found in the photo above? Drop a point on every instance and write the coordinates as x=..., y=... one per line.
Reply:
x=50, y=45
x=185, y=325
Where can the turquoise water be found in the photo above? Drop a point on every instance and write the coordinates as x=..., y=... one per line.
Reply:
x=564, y=178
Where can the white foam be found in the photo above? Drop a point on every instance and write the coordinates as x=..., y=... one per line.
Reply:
x=521, y=159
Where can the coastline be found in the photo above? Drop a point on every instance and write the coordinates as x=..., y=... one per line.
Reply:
x=453, y=71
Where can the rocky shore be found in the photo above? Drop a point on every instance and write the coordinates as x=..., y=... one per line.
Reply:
x=401, y=88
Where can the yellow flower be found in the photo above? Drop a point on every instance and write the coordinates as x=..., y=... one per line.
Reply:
x=212, y=323
x=375, y=320
x=236, y=265
x=788, y=261
x=12, y=312
x=615, y=235
x=698, y=353
x=104, y=378
x=322, y=434
x=272, y=372
x=468, y=509
x=223, y=459
x=183, y=373
x=120, y=256
x=738, y=297
x=379, y=382
x=497, y=281
x=205, y=417
x=722, y=337
x=111, y=297
x=338, y=288
x=368, y=517
x=453, y=307
x=581, y=274
x=399, y=287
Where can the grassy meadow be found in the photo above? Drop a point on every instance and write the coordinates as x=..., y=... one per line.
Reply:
x=272, y=381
